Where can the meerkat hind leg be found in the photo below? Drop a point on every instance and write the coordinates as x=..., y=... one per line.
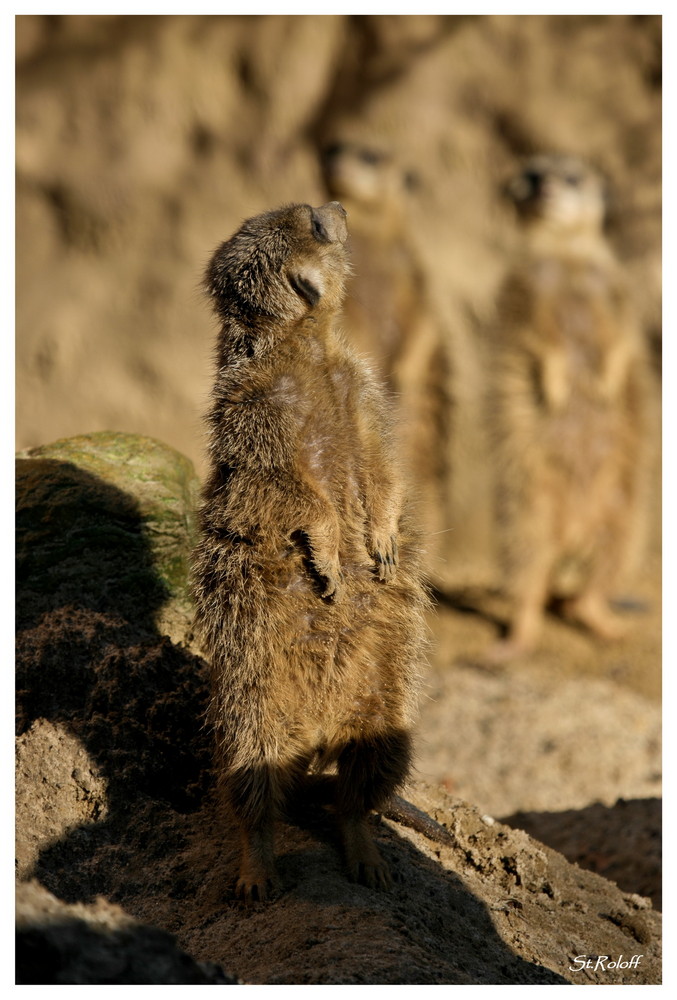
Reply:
x=255, y=795
x=529, y=601
x=362, y=856
x=257, y=875
x=369, y=771
x=591, y=610
x=590, y=607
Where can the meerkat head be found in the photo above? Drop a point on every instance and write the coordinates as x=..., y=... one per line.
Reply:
x=281, y=266
x=561, y=192
x=365, y=174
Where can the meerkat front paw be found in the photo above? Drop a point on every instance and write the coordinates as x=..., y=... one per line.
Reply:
x=321, y=560
x=383, y=550
x=331, y=578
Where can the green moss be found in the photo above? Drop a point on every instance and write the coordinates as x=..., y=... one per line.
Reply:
x=106, y=520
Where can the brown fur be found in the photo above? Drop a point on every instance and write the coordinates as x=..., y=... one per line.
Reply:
x=389, y=318
x=570, y=415
x=307, y=583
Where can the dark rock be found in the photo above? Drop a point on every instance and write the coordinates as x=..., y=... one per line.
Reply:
x=98, y=944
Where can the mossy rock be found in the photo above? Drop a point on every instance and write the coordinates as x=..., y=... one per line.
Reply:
x=106, y=521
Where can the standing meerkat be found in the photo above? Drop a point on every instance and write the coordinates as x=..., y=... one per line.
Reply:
x=390, y=319
x=570, y=408
x=307, y=582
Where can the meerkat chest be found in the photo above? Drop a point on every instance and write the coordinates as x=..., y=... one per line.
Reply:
x=574, y=302
x=328, y=440
x=574, y=279
x=329, y=445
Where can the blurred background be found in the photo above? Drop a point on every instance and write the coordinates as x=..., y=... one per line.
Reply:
x=143, y=141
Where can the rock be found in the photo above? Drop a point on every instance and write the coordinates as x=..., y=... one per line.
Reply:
x=533, y=740
x=106, y=520
x=104, y=527
x=478, y=904
x=70, y=790
x=100, y=944
x=116, y=817
x=621, y=842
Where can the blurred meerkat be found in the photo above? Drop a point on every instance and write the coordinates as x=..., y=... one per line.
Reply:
x=570, y=408
x=307, y=581
x=390, y=320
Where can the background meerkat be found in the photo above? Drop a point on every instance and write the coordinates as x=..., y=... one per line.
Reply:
x=570, y=408
x=389, y=318
x=307, y=579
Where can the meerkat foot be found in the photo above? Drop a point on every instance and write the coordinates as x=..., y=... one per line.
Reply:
x=257, y=875
x=258, y=891
x=363, y=860
x=256, y=882
x=373, y=874
x=595, y=616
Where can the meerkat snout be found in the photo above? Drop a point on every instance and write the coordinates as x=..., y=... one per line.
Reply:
x=329, y=223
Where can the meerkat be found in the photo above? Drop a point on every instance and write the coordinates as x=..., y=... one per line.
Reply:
x=570, y=408
x=307, y=579
x=389, y=319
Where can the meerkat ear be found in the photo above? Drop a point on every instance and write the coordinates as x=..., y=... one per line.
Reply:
x=308, y=284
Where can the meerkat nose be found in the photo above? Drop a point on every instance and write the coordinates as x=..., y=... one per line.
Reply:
x=333, y=219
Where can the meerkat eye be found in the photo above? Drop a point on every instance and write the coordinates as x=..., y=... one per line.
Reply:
x=333, y=150
x=370, y=157
x=304, y=287
x=533, y=178
x=573, y=180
